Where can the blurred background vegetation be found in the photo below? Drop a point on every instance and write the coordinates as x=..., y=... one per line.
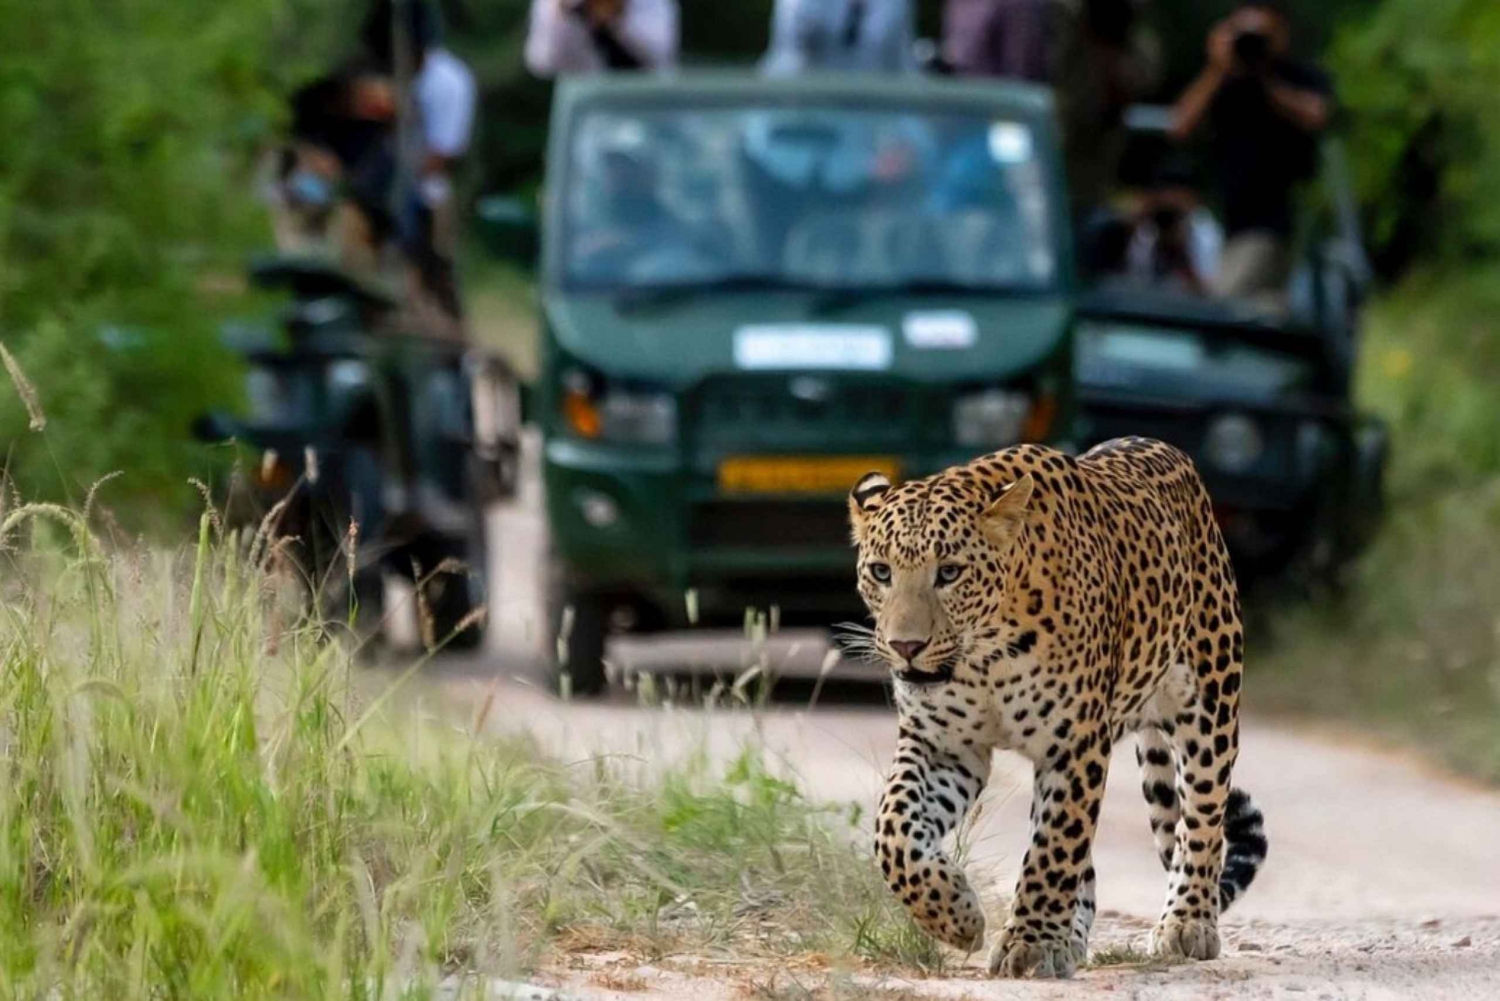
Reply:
x=130, y=135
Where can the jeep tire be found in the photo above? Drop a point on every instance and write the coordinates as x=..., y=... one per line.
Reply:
x=578, y=628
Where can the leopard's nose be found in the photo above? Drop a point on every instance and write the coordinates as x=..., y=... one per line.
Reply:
x=908, y=650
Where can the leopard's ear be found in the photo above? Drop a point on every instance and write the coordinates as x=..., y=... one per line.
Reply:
x=865, y=499
x=1003, y=520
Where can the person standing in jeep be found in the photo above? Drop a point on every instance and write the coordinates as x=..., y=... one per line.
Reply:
x=444, y=98
x=1014, y=39
x=1097, y=55
x=587, y=36
x=1266, y=111
x=850, y=36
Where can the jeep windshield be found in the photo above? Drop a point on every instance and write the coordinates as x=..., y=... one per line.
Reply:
x=1163, y=360
x=835, y=199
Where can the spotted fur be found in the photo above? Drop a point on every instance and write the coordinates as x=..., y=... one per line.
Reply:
x=1051, y=606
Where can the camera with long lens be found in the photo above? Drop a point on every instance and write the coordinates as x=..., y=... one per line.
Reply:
x=1252, y=49
x=1166, y=218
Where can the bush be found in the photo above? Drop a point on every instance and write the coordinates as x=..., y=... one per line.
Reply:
x=1429, y=365
x=1418, y=79
x=1415, y=645
x=128, y=137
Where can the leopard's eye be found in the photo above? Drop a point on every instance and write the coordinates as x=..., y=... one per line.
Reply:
x=949, y=572
x=881, y=572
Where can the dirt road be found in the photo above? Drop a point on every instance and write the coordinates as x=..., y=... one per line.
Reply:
x=1383, y=879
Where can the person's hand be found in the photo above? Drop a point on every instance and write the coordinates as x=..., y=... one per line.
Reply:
x=596, y=12
x=1221, y=44
x=373, y=99
x=319, y=161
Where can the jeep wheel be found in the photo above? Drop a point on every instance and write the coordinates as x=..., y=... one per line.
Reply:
x=579, y=627
x=452, y=597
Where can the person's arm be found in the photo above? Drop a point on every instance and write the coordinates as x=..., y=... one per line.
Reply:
x=1305, y=107
x=543, y=38
x=1192, y=107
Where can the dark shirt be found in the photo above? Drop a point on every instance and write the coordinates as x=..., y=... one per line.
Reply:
x=1261, y=154
x=1002, y=38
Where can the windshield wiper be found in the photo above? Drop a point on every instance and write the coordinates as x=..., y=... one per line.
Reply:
x=636, y=297
x=837, y=300
x=846, y=297
x=828, y=298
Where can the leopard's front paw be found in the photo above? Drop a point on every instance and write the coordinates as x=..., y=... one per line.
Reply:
x=1184, y=938
x=1046, y=958
x=963, y=929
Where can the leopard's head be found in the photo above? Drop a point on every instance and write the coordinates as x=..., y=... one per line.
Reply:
x=934, y=566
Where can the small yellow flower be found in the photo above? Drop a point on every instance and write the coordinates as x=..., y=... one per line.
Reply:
x=1397, y=362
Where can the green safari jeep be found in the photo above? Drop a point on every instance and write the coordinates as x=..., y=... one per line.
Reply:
x=755, y=290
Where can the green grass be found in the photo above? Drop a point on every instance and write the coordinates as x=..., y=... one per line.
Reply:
x=1126, y=956
x=204, y=796
x=1414, y=648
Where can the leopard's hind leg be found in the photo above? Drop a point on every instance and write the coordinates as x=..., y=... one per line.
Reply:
x=1204, y=736
x=1153, y=752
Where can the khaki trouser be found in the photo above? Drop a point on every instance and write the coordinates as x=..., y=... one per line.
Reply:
x=1255, y=266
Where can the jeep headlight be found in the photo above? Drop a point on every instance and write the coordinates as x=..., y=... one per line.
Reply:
x=348, y=374
x=279, y=396
x=650, y=418
x=991, y=418
x=1234, y=443
x=595, y=410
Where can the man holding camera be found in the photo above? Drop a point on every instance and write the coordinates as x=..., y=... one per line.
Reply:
x=589, y=36
x=1267, y=112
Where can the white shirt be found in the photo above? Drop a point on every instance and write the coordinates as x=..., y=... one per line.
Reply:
x=558, y=41
x=1205, y=246
x=445, y=95
x=871, y=36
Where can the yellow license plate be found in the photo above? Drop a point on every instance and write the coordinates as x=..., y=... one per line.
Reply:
x=799, y=475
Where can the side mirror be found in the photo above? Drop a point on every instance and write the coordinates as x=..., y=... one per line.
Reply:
x=508, y=229
x=214, y=428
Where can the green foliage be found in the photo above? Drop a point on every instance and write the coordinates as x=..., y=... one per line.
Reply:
x=1418, y=80
x=1415, y=644
x=1183, y=27
x=1430, y=362
x=128, y=136
x=1414, y=650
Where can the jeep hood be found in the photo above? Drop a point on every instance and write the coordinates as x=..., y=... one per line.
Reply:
x=925, y=338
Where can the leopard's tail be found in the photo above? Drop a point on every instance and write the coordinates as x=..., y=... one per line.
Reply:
x=1244, y=846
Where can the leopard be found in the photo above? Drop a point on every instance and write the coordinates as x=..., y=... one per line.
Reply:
x=1034, y=602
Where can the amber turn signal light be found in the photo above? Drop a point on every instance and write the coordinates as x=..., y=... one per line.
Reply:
x=581, y=414
x=1039, y=421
